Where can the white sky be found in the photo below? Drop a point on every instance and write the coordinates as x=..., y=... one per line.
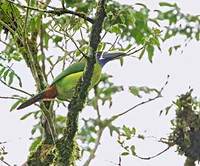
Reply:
x=183, y=71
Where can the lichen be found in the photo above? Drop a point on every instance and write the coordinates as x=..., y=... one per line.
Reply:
x=42, y=156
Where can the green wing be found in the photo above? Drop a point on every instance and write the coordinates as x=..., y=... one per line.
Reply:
x=74, y=68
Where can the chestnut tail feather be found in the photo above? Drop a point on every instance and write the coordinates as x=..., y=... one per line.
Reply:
x=32, y=100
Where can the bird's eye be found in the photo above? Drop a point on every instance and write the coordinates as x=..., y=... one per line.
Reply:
x=98, y=54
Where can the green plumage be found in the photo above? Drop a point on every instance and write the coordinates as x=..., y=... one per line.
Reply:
x=66, y=81
x=64, y=84
x=74, y=68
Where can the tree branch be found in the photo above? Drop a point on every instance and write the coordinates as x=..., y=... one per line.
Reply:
x=99, y=133
x=5, y=162
x=9, y=97
x=151, y=157
x=66, y=145
x=135, y=106
x=56, y=11
x=159, y=94
x=16, y=89
x=97, y=143
x=189, y=162
x=135, y=51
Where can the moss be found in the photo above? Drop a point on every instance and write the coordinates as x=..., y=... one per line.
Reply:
x=189, y=162
x=43, y=156
x=66, y=153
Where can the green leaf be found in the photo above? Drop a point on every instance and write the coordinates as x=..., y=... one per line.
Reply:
x=141, y=4
x=5, y=74
x=121, y=61
x=142, y=53
x=113, y=128
x=155, y=21
x=141, y=136
x=2, y=70
x=122, y=18
x=170, y=51
x=26, y=115
x=125, y=153
x=150, y=50
x=46, y=39
x=115, y=28
x=33, y=130
x=177, y=47
x=132, y=148
x=135, y=91
x=19, y=79
x=167, y=4
x=14, y=106
x=35, y=144
x=11, y=76
x=147, y=90
x=57, y=39
x=167, y=109
x=128, y=132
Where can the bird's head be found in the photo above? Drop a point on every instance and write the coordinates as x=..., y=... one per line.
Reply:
x=106, y=57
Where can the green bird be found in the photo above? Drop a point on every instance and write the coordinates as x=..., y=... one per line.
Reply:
x=64, y=84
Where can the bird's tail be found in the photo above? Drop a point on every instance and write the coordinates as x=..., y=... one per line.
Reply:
x=32, y=100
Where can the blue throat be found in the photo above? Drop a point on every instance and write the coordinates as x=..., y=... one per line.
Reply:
x=103, y=61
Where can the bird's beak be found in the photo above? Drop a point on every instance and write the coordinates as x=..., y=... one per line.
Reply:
x=113, y=55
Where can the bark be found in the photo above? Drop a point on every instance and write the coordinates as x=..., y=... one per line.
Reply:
x=189, y=162
x=66, y=147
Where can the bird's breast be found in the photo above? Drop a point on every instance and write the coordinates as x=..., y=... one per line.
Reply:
x=66, y=86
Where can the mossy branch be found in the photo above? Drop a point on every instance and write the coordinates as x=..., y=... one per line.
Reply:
x=66, y=146
x=29, y=52
x=189, y=162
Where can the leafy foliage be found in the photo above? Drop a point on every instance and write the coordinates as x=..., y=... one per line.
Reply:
x=87, y=135
x=2, y=153
x=125, y=134
x=48, y=38
x=137, y=90
x=8, y=75
x=186, y=131
x=133, y=25
x=104, y=91
x=179, y=23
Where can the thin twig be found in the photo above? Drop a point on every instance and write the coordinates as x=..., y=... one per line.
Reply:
x=6, y=44
x=159, y=94
x=135, y=106
x=53, y=66
x=97, y=105
x=135, y=51
x=133, y=48
x=5, y=162
x=17, y=89
x=120, y=161
x=99, y=133
x=26, y=20
x=71, y=38
x=81, y=34
x=151, y=157
x=9, y=97
x=97, y=142
x=7, y=26
x=11, y=30
x=105, y=33
x=113, y=44
x=42, y=48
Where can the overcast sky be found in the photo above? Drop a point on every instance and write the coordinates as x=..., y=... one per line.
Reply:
x=183, y=71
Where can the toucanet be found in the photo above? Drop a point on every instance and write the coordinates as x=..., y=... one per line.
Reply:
x=64, y=84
